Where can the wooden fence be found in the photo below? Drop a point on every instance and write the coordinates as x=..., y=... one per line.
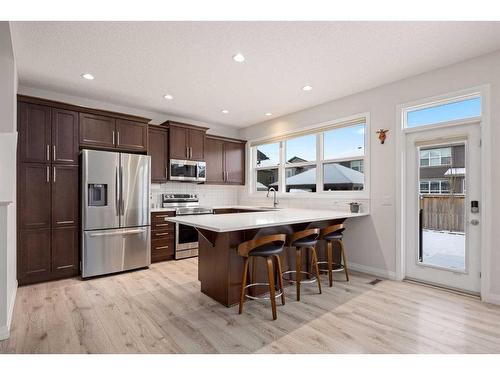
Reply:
x=443, y=212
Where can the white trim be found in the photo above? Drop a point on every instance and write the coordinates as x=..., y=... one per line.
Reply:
x=5, y=330
x=379, y=272
x=486, y=214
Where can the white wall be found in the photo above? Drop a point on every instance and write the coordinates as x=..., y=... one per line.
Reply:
x=156, y=117
x=8, y=143
x=371, y=242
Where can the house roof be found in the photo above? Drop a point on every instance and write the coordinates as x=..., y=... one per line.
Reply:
x=334, y=174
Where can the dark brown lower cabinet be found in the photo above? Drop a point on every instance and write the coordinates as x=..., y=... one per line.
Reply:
x=65, y=259
x=162, y=237
x=47, y=254
x=33, y=256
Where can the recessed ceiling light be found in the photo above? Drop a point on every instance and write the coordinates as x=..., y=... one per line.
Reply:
x=239, y=57
x=225, y=111
x=87, y=76
x=168, y=97
x=268, y=114
x=307, y=88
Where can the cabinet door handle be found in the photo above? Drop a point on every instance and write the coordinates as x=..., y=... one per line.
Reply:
x=162, y=225
x=48, y=152
x=118, y=138
x=161, y=247
x=113, y=137
x=166, y=172
x=162, y=234
x=54, y=153
x=54, y=174
x=187, y=152
x=48, y=174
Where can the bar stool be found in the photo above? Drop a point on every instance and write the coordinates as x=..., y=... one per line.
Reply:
x=304, y=240
x=332, y=234
x=268, y=247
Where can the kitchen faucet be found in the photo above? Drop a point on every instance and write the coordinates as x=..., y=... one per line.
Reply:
x=275, y=198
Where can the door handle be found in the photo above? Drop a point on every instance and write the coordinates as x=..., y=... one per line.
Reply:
x=122, y=202
x=113, y=137
x=54, y=174
x=190, y=152
x=48, y=175
x=187, y=152
x=54, y=152
x=118, y=138
x=135, y=231
x=48, y=152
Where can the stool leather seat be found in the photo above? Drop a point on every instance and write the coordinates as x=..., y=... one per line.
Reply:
x=306, y=241
x=334, y=235
x=266, y=250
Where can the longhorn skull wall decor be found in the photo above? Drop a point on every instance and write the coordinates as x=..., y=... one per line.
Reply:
x=382, y=135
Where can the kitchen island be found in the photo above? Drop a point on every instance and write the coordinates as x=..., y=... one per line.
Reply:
x=219, y=265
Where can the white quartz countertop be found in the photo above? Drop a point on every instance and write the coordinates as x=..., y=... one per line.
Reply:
x=253, y=220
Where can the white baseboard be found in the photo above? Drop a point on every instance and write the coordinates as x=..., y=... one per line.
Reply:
x=491, y=298
x=386, y=274
x=5, y=330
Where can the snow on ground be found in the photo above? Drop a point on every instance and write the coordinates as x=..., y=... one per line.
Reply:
x=444, y=249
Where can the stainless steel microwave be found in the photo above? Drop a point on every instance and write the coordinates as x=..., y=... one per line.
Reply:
x=188, y=170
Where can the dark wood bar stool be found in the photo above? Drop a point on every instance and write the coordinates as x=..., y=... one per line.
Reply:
x=333, y=234
x=268, y=247
x=304, y=240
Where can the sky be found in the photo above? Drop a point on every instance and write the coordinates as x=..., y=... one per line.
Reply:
x=445, y=112
x=338, y=143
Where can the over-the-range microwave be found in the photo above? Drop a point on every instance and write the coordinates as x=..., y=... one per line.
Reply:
x=188, y=170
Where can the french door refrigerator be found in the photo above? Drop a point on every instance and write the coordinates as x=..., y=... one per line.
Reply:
x=116, y=213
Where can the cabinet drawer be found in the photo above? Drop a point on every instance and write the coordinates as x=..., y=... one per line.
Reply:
x=159, y=217
x=162, y=250
x=162, y=226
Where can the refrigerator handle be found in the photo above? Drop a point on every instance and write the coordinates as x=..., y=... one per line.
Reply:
x=117, y=193
x=122, y=203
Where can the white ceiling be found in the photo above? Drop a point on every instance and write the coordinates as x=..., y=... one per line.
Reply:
x=136, y=63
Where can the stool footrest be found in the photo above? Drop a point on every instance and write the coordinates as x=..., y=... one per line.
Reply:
x=306, y=281
x=336, y=267
x=278, y=294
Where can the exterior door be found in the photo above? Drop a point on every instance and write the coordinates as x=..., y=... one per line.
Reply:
x=442, y=182
x=34, y=133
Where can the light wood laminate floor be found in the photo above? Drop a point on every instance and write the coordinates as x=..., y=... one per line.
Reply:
x=161, y=310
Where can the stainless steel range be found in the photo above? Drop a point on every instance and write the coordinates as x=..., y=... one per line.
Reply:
x=186, y=237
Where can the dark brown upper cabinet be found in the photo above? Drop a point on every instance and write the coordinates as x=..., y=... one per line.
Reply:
x=64, y=136
x=225, y=159
x=97, y=131
x=234, y=162
x=214, y=156
x=131, y=135
x=34, y=128
x=158, y=150
x=186, y=141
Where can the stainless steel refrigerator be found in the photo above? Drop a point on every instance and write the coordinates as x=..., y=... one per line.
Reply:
x=116, y=212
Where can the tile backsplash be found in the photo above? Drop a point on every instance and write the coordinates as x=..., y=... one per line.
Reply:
x=209, y=195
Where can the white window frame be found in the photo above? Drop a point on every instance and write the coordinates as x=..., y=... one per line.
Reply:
x=440, y=157
x=436, y=101
x=428, y=181
x=321, y=127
